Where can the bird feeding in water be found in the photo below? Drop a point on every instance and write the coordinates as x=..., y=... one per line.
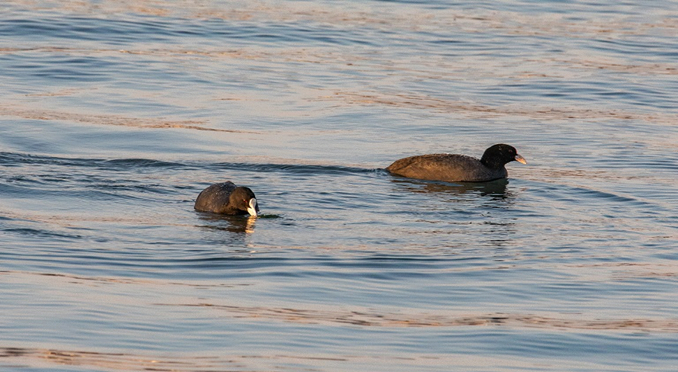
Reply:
x=227, y=198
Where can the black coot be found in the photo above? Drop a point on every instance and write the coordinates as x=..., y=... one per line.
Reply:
x=458, y=168
x=227, y=198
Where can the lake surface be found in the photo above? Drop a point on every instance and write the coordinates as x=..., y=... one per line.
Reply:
x=116, y=114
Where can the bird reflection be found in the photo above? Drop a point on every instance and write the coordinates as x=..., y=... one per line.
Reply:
x=234, y=224
x=495, y=189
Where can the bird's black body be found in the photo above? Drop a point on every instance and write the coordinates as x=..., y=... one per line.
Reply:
x=227, y=198
x=458, y=168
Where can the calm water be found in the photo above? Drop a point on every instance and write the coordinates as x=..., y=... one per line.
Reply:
x=115, y=114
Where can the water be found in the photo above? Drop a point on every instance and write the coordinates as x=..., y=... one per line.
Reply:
x=116, y=114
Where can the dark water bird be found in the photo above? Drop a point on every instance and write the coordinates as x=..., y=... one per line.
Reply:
x=458, y=168
x=227, y=198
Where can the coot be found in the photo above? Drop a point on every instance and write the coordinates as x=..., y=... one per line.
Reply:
x=227, y=198
x=458, y=168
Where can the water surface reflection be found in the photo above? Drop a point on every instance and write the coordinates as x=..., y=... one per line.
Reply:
x=232, y=224
x=496, y=189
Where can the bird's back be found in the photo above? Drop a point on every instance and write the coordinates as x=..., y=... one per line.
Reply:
x=215, y=198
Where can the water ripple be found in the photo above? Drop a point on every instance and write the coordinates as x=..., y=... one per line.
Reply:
x=116, y=114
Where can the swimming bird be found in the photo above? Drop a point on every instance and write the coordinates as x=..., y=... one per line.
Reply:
x=227, y=198
x=458, y=168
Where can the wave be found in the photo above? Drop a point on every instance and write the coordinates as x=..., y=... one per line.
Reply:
x=11, y=159
x=141, y=28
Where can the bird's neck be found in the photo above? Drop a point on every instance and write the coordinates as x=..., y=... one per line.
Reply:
x=492, y=164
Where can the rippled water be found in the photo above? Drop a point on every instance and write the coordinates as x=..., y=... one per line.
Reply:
x=115, y=114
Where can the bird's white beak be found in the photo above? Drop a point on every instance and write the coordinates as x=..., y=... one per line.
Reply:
x=520, y=159
x=252, y=208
